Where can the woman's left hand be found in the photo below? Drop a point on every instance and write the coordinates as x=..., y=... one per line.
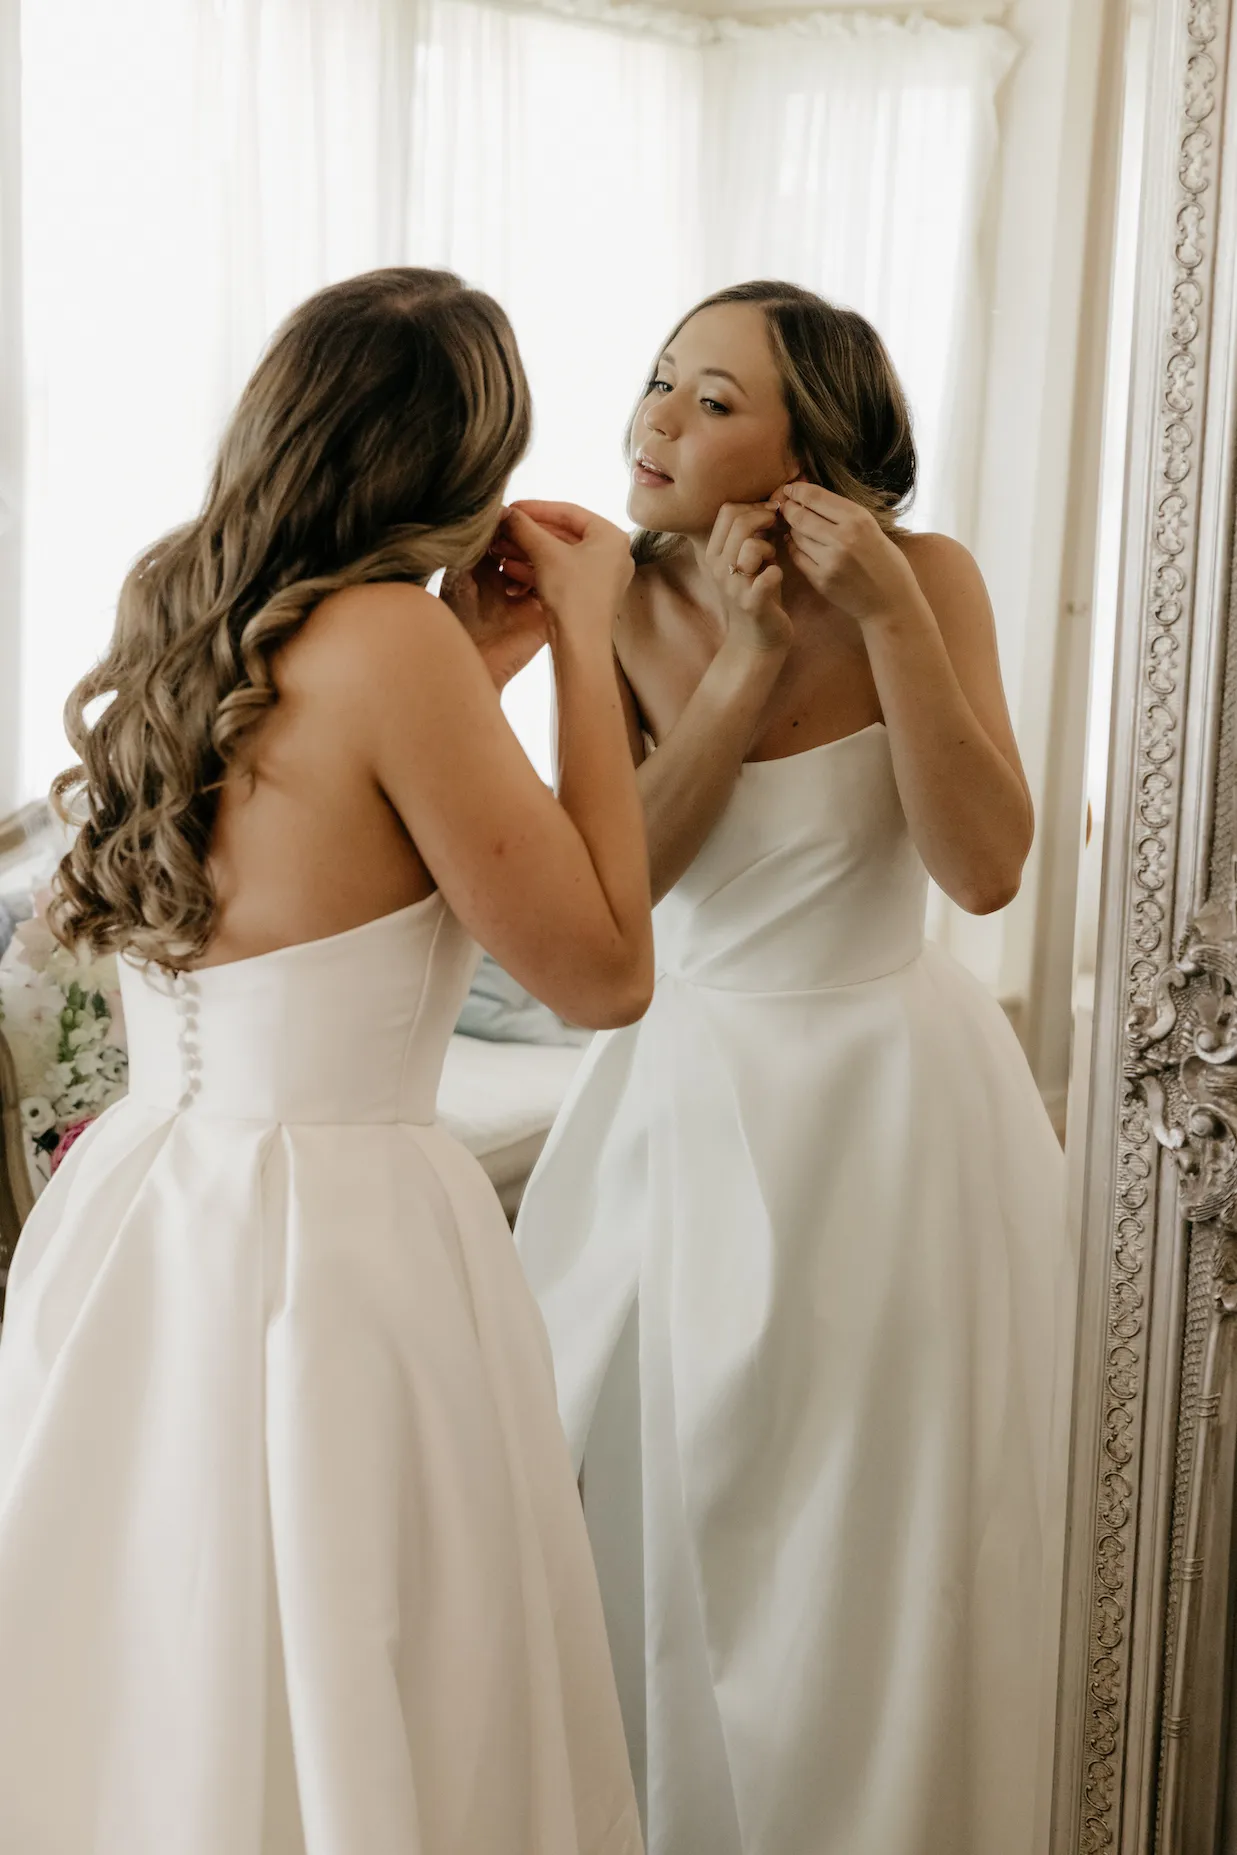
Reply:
x=507, y=628
x=841, y=550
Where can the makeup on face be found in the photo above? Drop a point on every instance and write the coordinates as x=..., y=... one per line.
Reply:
x=713, y=426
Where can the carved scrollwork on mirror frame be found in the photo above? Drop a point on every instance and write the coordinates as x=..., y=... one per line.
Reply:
x=1148, y=1690
x=1182, y=1053
x=1181, y=1057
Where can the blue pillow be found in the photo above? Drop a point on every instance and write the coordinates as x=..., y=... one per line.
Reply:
x=14, y=909
x=501, y=1011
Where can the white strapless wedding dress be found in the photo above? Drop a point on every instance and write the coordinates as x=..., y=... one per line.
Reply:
x=292, y=1560
x=820, y=1174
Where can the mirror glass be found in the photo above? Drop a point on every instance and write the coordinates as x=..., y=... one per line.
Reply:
x=968, y=180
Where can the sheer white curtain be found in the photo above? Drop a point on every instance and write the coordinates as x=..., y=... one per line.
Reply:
x=853, y=155
x=192, y=168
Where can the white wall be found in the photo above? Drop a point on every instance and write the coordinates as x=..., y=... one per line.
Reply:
x=1039, y=241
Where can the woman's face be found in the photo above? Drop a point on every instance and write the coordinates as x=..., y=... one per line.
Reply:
x=713, y=426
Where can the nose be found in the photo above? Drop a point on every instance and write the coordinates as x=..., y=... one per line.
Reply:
x=660, y=416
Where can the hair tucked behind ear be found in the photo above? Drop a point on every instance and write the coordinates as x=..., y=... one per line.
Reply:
x=373, y=442
x=850, y=425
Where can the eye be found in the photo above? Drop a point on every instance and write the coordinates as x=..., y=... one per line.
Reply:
x=655, y=385
x=715, y=406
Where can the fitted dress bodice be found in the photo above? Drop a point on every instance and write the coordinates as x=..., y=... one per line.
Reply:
x=809, y=880
x=350, y=1029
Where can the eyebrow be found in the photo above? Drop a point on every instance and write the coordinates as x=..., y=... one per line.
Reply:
x=717, y=373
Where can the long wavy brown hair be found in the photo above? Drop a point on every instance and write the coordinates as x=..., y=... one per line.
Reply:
x=850, y=425
x=373, y=442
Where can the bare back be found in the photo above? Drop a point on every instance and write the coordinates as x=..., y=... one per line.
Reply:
x=308, y=844
x=386, y=770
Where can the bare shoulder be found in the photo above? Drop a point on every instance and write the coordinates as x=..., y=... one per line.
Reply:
x=939, y=560
x=951, y=582
x=377, y=643
x=385, y=621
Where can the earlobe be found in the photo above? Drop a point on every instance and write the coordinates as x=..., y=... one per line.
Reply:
x=794, y=474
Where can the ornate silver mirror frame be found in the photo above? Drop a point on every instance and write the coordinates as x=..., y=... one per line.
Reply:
x=1147, y=1726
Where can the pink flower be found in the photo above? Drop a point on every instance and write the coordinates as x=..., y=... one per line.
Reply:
x=70, y=1134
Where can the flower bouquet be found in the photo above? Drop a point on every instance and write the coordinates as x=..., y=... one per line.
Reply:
x=63, y=1023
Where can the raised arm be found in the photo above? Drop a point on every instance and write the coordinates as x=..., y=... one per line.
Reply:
x=931, y=641
x=555, y=888
x=684, y=786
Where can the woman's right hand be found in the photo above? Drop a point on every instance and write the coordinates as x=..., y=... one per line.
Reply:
x=743, y=562
x=581, y=563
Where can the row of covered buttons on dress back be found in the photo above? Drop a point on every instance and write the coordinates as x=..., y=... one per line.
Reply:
x=187, y=997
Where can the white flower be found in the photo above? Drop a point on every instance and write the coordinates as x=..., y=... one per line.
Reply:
x=37, y=1115
x=83, y=1036
x=60, y=1077
x=113, y=1064
x=36, y=944
x=76, y=1102
x=36, y=1001
x=87, y=1062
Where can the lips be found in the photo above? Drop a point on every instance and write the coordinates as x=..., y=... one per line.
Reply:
x=648, y=473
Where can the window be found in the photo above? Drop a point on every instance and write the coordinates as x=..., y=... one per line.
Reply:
x=193, y=168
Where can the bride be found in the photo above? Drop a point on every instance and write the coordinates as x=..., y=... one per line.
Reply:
x=817, y=1177
x=291, y=1557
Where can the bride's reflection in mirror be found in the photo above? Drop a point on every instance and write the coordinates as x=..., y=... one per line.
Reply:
x=728, y=1226
x=818, y=1177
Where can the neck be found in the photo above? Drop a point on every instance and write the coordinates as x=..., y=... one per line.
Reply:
x=698, y=583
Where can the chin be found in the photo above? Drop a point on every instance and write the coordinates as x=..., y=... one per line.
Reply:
x=643, y=512
x=655, y=509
